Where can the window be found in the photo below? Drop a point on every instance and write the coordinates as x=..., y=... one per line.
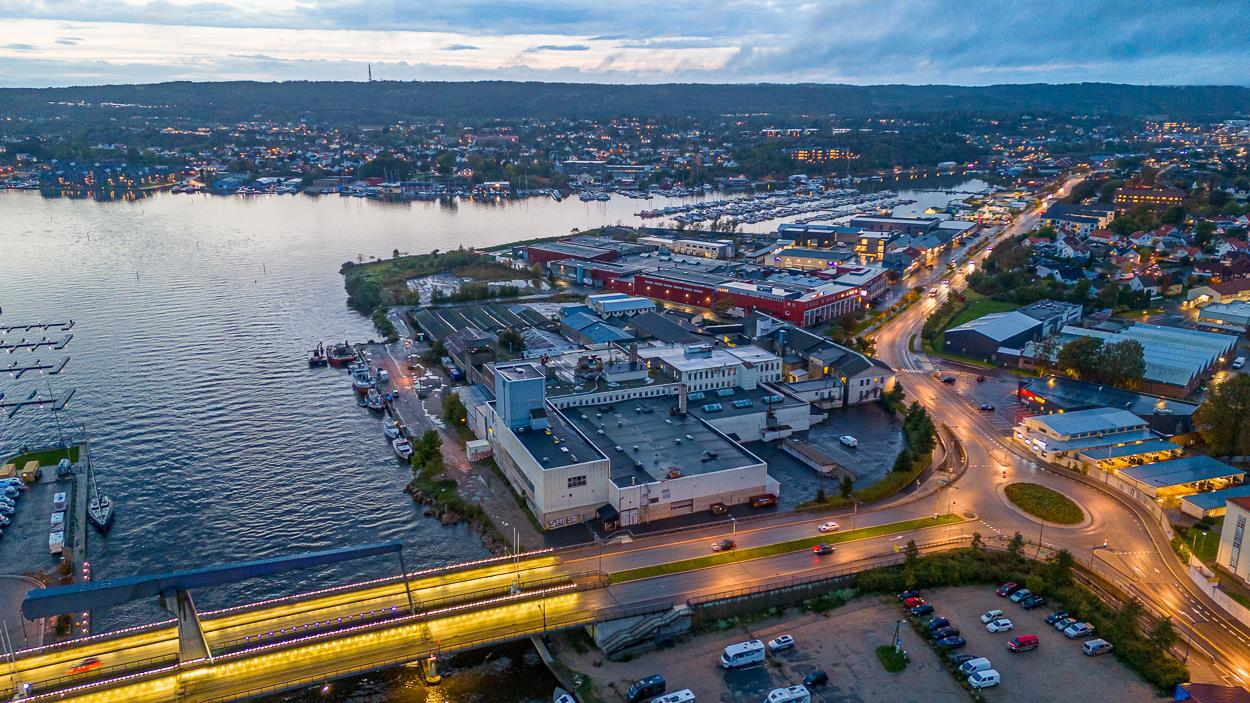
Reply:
x=1235, y=556
x=575, y=481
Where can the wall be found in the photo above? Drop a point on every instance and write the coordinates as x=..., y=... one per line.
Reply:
x=689, y=494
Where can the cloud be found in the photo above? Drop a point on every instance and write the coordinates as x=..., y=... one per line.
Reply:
x=558, y=47
x=68, y=41
x=20, y=47
x=460, y=47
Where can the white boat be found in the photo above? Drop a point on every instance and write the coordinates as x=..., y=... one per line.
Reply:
x=402, y=448
x=373, y=400
x=563, y=696
x=390, y=428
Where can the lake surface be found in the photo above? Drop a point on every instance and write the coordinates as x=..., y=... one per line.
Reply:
x=193, y=317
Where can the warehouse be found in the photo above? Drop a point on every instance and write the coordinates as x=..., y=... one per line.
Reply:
x=1180, y=477
x=983, y=337
x=1051, y=394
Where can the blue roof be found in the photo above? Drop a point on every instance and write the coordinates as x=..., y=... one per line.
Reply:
x=602, y=332
x=1157, y=445
x=1181, y=471
x=1216, y=499
x=1092, y=420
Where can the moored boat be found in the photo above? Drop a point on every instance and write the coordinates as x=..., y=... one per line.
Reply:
x=402, y=448
x=373, y=400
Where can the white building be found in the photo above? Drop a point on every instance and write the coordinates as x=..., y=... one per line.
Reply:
x=719, y=249
x=1232, y=538
x=702, y=367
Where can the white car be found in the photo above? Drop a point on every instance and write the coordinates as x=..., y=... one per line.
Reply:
x=999, y=625
x=779, y=643
x=828, y=526
x=1080, y=629
x=991, y=615
x=848, y=440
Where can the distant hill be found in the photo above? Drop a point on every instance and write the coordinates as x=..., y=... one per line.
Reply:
x=387, y=101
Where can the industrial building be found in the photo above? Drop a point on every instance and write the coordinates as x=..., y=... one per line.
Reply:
x=1062, y=437
x=983, y=337
x=1179, y=477
x=902, y=225
x=717, y=249
x=1052, y=394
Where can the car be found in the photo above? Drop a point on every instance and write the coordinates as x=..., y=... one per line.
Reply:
x=829, y=526
x=1064, y=623
x=913, y=601
x=980, y=379
x=1094, y=647
x=999, y=625
x=991, y=615
x=959, y=659
x=645, y=689
x=823, y=549
x=948, y=379
x=1007, y=589
x=983, y=679
x=1022, y=643
x=910, y=593
x=987, y=408
x=1020, y=595
x=1056, y=616
x=951, y=643
x=937, y=623
x=88, y=664
x=723, y=545
x=4, y=521
x=944, y=633
x=924, y=609
x=1080, y=629
x=780, y=642
x=816, y=678
x=849, y=441
x=1033, y=601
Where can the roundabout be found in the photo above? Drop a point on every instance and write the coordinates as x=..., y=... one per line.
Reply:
x=1044, y=504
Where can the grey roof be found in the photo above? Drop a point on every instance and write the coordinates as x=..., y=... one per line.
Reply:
x=662, y=328
x=1094, y=420
x=1072, y=394
x=1121, y=451
x=1173, y=355
x=558, y=445
x=999, y=326
x=1216, y=499
x=1181, y=471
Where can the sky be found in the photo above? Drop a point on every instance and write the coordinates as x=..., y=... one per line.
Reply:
x=965, y=42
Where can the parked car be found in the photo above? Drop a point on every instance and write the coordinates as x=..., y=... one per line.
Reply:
x=991, y=615
x=1020, y=595
x=924, y=609
x=723, y=545
x=849, y=441
x=1080, y=629
x=908, y=594
x=983, y=679
x=943, y=633
x=914, y=601
x=972, y=664
x=951, y=643
x=823, y=549
x=961, y=659
x=1094, y=647
x=1022, y=643
x=1007, y=589
x=645, y=689
x=937, y=623
x=1056, y=617
x=779, y=643
x=948, y=379
x=1033, y=601
x=999, y=625
x=816, y=678
x=1064, y=623
x=829, y=526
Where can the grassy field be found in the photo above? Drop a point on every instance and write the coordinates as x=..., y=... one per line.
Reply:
x=45, y=457
x=769, y=550
x=1044, y=503
x=892, y=660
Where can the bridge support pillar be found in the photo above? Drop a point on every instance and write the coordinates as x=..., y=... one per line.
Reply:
x=429, y=670
x=192, y=644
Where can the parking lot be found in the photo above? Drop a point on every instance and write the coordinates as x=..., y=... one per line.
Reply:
x=1043, y=674
x=842, y=644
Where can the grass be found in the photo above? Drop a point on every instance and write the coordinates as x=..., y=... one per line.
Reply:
x=893, y=661
x=1042, y=502
x=891, y=483
x=769, y=550
x=45, y=457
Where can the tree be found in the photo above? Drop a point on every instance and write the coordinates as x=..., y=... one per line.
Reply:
x=1045, y=360
x=1035, y=583
x=1016, y=546
x=511, y=339
x=1079, y=358
x=1163, y=635
x=1224, y=419
x=454, y=410
x=1121, y=364
x=820, y=495
x=977, y=541
x=904, y=460
x=1059, y=571
x=912, y=552
x=846, y=487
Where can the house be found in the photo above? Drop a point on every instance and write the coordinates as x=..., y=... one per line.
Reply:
x=1142, y=283
x=806, y=356
x=1227, y=291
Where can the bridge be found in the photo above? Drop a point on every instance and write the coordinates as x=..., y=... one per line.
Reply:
x=410, y=618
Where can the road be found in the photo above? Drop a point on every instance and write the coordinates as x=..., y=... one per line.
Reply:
x=1120, y=538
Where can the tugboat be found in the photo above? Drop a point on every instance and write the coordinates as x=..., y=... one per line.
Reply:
x=317, y=357
x=402, y=448
x=373, y=400
x=341, y=355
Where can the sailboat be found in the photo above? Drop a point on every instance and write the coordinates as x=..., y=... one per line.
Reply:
x=100, y=508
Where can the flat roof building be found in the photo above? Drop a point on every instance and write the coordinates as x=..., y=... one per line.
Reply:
x=1062, y=437
x=1051, y=394
x=1178, y=477
x=1233, y=538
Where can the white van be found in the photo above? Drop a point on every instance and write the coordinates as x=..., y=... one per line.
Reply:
x=789, y=694
x=1095, y=647
x=983, y=679
x=1239, y=362
x=742, y=654
x=972, y=666
x=685, y=695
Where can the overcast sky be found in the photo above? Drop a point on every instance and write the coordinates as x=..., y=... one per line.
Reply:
x=971, y=42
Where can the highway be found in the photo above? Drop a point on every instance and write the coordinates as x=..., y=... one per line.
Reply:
x=308, y=638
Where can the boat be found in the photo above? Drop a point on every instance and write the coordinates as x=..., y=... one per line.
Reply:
x=341, y=355
x=391, y=428
x=373, y=400
x=317, y=358
x=402, y=448
x=363, y=379
x=562, y=696
x=100, y=507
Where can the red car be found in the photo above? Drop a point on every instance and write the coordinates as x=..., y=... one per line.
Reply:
x=88, y=664
x=913, y=601
x=1007, y=589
